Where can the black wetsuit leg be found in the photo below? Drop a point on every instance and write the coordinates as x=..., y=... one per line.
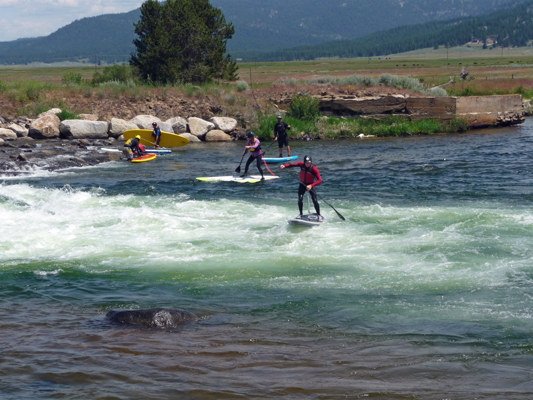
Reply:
x=301, y=192
x=248, y=162
x=259, y=159
x=314, y=197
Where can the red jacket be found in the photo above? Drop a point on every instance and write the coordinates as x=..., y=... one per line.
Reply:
x=309, y=176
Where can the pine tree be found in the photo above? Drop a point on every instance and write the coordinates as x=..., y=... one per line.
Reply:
x=182, y=41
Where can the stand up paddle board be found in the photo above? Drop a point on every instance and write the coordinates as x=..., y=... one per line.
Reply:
x=167, y=139
x=307, y=220
x=151, y=151
x=246, y=179
x=280, y=159
x=146, y=157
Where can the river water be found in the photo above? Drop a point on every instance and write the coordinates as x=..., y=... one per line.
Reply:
x=424, y=292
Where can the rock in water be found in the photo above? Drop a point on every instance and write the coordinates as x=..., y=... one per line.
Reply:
x=152, y=317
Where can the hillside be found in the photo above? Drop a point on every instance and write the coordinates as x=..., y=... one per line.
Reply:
x=259, y=24
x=507, y=27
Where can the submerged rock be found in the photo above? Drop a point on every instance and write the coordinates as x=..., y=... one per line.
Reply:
x=152, y=317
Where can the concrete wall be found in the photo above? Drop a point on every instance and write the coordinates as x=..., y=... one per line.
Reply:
x=480, y=111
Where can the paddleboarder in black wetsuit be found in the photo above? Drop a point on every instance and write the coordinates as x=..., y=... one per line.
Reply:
x=309, y=178
x=254, y=145
x=281, y=135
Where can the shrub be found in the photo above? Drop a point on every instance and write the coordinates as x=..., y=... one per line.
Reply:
x=72, y=78
x=117, y=73
x=304, y=107
x=66, y=114
x=242, y=86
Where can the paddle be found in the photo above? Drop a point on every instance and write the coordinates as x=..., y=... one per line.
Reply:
x=238, y=169
x=338, y=213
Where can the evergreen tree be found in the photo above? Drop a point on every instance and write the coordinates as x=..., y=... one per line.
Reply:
x=182, y=41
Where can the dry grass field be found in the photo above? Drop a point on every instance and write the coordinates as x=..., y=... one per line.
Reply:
x=28, y=90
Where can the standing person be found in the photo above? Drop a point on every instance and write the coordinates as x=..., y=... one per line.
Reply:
x=156, y=133
x=309, y=178
x=254, y=145
x=281, y=135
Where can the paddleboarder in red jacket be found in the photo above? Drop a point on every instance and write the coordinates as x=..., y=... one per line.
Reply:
x=309, y=179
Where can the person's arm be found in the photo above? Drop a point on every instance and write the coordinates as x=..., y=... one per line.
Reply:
x=290, y=165
x=318, y=178
x=287, y=126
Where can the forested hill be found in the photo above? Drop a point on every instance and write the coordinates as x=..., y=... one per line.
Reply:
x=104, y=38
x=259, y=25
x=507, y=27
x=280, y=24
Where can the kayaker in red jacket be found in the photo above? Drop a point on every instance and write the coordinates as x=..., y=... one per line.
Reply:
x=309, y=179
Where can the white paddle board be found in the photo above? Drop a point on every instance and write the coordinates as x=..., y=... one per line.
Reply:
x=307, y=220
x=151, y=151
x=246, y=179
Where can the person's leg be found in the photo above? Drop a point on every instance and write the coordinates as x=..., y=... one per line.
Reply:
x=301, y=192
x=280, y=143
x=314, y=197
x=289, y=150
x=250, y=159
x=259, y=166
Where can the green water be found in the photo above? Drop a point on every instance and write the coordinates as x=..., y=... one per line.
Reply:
x=424, y=292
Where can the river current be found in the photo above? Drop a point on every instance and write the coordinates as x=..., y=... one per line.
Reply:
x=424, y=292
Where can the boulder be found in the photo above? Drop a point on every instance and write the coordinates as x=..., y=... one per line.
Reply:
x=152, y=317
x=1, y=142
x=118, y=126
x=224, y=123
x=53, y=111
x=165, y=127
x=45, y=127
x=217, y=135
x=19, y=130
x=7, y=134
x=89, y=117
x=79, y=129
x=146, y=121
x=192, y=138
x=179, y=125
x=198, y=127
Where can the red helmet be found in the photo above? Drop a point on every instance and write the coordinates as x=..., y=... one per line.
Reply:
x=154, y=123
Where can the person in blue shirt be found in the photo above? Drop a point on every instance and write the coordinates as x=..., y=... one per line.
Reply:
x=156, y=134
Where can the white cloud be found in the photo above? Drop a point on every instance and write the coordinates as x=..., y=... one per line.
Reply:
x=32, y=18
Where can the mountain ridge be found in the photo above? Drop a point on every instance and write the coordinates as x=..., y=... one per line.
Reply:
x=260, y=24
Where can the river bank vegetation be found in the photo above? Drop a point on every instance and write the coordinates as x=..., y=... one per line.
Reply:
x=29, y=91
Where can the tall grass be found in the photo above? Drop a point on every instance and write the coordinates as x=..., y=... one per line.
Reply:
x=385, y=80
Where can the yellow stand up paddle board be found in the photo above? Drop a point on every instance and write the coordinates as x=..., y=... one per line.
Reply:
x=167, y=139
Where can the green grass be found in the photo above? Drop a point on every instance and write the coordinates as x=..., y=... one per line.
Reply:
x=333, y=127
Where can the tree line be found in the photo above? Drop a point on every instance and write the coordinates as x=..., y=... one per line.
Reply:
x=508, y=27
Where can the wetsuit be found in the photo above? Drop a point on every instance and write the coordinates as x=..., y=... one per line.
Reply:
x=255, y=154
x=157, y=135
x=308, y=176
x=127, y=150
x=280, y=131
x=137, y=148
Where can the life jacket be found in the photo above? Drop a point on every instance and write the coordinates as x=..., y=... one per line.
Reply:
x=308, y=176
x=257, y=149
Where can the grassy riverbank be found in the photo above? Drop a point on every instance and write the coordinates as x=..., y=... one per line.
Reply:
x=29, y=91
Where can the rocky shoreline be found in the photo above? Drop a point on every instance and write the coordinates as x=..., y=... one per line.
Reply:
x=47, y=143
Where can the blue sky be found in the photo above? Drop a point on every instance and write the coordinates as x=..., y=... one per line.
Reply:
x=32, y=18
